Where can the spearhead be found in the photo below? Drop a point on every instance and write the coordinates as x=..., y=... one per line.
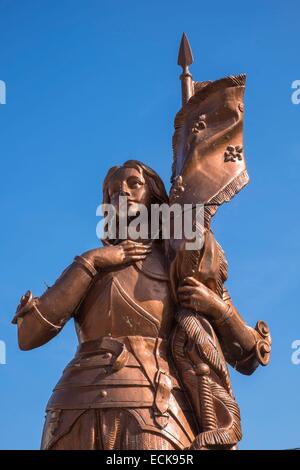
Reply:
x=185, y=58
x=185, y=55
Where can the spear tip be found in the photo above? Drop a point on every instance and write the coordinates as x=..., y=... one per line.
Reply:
x=185, y=55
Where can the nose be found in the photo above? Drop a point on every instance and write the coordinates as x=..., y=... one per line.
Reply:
x=124, y=191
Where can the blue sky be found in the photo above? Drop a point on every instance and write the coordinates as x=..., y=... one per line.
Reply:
x=93, y=83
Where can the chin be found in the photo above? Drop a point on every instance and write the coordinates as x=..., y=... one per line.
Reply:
x=134, y=207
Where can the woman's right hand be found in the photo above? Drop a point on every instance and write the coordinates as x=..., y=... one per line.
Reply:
x=126, y=252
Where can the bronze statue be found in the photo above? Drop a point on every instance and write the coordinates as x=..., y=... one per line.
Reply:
x=155, y=324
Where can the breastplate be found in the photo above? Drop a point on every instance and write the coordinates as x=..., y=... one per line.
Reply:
x=133, y=300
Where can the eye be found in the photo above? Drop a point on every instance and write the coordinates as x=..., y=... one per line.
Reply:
x=134, y=183
x=113, y=190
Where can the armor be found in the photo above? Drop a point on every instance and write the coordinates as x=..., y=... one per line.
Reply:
x=132, y=357
x=123, y=320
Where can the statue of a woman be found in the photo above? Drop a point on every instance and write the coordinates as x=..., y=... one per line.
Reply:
x=155, y=324
x=142, y=377
x=120, y=391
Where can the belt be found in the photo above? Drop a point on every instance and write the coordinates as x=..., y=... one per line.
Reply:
x=105, y=351
x=119, y=372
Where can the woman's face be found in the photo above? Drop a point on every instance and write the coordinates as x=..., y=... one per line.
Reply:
x=129, y=183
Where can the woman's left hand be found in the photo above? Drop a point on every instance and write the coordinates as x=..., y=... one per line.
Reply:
x=196, y=296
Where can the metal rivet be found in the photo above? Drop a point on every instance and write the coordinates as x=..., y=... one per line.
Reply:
x=103, y=393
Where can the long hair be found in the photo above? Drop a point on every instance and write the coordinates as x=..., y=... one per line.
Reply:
x=153, y=180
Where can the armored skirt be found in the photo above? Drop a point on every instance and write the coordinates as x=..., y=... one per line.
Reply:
x=119, y=393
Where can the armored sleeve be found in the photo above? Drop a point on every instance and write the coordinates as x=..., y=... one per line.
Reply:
x=244, y=347
x=39, y=319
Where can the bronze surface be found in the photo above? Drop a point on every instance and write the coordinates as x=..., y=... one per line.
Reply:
x=156, y=325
